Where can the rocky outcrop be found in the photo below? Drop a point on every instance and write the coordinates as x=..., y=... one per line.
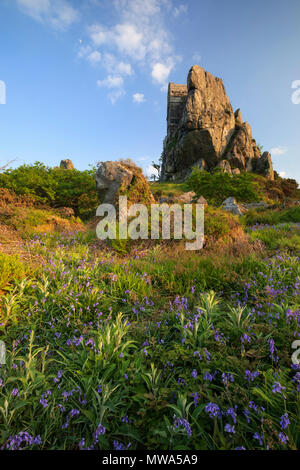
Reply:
x=230, y=205
x=225, y=166
x=67, y=164
x=110, y=177
x=264, y=165
x=117, y=178
x=207, y=133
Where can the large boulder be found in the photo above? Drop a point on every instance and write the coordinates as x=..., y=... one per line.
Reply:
x=225, y=166
x=117, y=178
x=67, y=164
x=230, y=205
x=110, y=177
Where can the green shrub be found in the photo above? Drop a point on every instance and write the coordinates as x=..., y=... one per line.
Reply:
x=218, y=185
x=54, y=186
x=76, y=189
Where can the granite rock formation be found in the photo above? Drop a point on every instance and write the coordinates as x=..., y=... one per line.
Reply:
x=122, y=178
x=204, y=132
x=67, y=164
x=230, y=205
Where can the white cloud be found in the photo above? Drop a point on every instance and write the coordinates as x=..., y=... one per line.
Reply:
x=282, y=174
x=114, y=83
x=160, y=72
x=278, y=151
x=139, y=34
x=125, y=37
x=124, y=69
x=111, y=82
x=114, y=67
x=58, y=13
x=99, y=34
x=115, y=95
x=179, y=10
x=130, y=41
x=138, y=9
x=83, y=51
x=94, y=57
x=150, y=170
x=138, y=98
x=138, y=38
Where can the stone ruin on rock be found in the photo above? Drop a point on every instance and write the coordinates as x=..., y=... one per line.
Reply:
x=204, y=132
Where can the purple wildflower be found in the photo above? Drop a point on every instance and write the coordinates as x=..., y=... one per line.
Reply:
x=284, y=421
x=181, y=423
x=229, y=428
x=213, y=410
x=283, y=438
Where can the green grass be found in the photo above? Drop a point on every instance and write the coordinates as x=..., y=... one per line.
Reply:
x=284, y=237
x=273, y=217
x=168, y=189
x=11, y=269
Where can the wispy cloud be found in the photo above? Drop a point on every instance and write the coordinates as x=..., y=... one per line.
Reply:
x=58, y=13
x=138, y=98
x=114, y=83
x=139, y=38
x=282, y=174
x=113, y=66
x=181, y=9
x=94, y=57
x=278, y=151
x=111, y=82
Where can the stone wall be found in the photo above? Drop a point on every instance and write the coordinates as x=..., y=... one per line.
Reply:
x=177, y=95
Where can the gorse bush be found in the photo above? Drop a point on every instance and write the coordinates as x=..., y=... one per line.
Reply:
x=56, y=187
x=217, y=185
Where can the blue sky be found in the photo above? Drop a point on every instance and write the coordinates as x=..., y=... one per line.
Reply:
x=87, y=80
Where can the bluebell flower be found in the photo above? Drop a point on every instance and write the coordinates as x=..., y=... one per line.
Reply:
x=284, y=421
x=213, y=410
x=283, y=438
x=229, y=428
